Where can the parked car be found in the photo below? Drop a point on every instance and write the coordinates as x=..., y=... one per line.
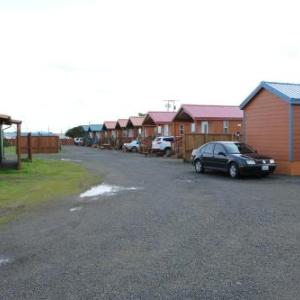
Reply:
x=133, y=146
x=78, y=141
x=163, y=144
x=236, y=158
x=87, y=141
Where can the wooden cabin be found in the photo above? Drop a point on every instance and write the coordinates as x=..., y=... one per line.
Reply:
x=121, y=133
x=94, y=131
x=272, y=123
x=134, y=127
x=121, y=130
x=108, y=133
x=157, y=123
x=208, y=119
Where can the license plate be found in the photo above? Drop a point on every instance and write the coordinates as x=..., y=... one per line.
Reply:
x=265, y=168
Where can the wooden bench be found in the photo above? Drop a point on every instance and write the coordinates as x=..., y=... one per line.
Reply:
x=105, y=146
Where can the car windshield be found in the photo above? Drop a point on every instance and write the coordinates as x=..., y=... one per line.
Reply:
x=238, y=148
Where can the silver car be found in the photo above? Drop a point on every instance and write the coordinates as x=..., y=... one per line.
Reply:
x=133, y=146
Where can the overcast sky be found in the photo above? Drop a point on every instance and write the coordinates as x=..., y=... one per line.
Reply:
x=64, y=63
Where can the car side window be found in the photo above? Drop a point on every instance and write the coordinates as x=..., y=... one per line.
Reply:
x=209, y=149
x=168, y=139
x=219, y=148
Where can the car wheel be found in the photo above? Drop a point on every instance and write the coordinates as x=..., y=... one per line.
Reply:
x=234, y=170
x=168, y=152
x=134, y=149
x=199, y=166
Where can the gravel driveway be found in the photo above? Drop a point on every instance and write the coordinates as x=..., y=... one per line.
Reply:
x=168, y=234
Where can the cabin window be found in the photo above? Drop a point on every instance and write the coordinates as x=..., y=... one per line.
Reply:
x=130, y=133
x=181, y=129
x=166, y=130
x=124, y=133
x=140, y=131
x=193, y=127
x=159, y=129
x=204, y=127
x=226, y=126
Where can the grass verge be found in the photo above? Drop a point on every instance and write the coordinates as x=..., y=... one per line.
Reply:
x=38, y=182
x=10, y=150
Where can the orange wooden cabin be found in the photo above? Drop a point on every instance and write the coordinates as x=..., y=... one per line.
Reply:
x=158, y=123
x=108, y=133
x=134, y=127
x=121, y=131
x=207, y=119
x=272, y=123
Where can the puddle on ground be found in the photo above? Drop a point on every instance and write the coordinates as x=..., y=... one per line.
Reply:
x=77, y=208
x=69, y=159
x=105, y=189
x=4, y=260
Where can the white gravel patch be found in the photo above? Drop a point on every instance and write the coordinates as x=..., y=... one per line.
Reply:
x=4, y=260
x=77, y=208
x=105, y=189
x=69, y=159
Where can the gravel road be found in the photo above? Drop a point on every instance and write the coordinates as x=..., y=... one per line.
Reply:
x=178, y=235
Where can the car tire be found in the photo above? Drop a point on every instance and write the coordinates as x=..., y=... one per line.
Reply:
x=234, y=171
x=134, y=149
x=168, y=152
x=199, y=166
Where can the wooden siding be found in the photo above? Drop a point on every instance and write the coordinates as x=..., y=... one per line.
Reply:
x=214, y=127
x=176, y=126
x=266, y=122
x=194, y=140
x=41, y=144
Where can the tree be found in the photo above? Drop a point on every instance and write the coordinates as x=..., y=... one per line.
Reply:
x=76, y=132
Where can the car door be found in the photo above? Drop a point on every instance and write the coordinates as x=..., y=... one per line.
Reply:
x=208, y=155
x=220, y=158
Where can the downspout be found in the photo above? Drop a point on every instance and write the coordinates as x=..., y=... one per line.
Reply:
x=291, y=129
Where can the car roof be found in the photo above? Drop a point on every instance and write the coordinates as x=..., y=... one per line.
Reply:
x=224, y=142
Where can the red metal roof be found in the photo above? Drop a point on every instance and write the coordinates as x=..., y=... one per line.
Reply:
x=137, y=121
x=110, y=124
x=161, y=117
x=122, y=123
x=196, y=111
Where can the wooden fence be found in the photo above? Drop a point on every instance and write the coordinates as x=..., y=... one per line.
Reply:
x=194, y=140
x=40, y=144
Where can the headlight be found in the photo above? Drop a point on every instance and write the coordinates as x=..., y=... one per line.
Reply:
x=272, y=161
x=250, y=162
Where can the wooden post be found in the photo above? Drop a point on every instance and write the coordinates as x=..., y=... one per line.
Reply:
x=18, y=140
x=29, y=147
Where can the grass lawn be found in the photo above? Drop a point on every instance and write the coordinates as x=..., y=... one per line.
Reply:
x=38, y=182
x=10, y=150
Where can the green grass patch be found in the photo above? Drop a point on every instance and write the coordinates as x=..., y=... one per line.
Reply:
x=40, y=181
x=10, y=150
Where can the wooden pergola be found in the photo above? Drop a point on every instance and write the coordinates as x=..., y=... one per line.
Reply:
x=7, y=120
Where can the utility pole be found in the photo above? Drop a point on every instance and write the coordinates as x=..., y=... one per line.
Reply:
x=170, y=105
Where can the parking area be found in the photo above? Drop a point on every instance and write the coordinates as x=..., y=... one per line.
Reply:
x=166, y=233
